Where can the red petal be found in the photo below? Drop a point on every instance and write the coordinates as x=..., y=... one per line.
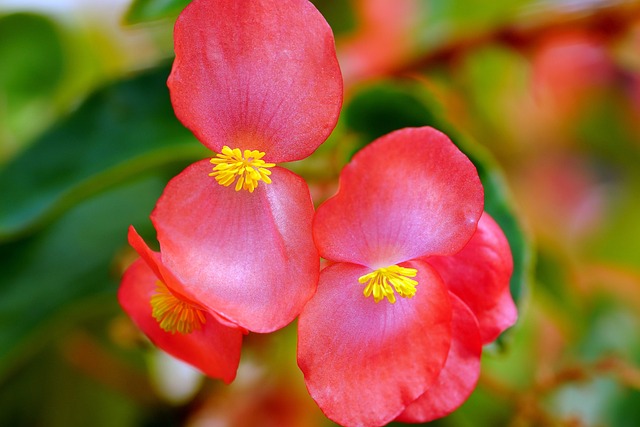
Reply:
x=479, y=274
x=460, y=374
x=409, y=194
x=150, y=257
x=215, y=349
x=154, y=262
x=248, y=256
x=259, y=75
x=364, y=362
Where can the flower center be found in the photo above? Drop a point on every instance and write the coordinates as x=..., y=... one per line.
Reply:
x=380, y=281
x=249, y=166
x=173, y=314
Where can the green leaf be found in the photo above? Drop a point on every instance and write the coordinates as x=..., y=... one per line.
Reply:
x=53, y=382
x=119, y=132
x=624, y=411
x=152, y=10
x=32, y=69
x=469, y=16
x=34, y=45
x=339, y=14
x=68, y=262
x=488, y=96
x=384, y=107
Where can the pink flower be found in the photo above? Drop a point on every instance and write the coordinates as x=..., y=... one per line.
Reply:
x=167, y=313
x=257, y=82
x=262, y=79
x=418, y=281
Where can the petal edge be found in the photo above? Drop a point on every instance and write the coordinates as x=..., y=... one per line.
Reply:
x=260, y=75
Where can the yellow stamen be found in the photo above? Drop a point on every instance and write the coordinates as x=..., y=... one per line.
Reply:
x=380, y=282
x=173, y=314
x=249, y=166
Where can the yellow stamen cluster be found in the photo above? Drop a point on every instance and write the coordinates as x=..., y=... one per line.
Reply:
x=380, y=281
x=249, y=166
x=173, y=314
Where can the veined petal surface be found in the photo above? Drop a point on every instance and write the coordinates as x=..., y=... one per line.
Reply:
x=409, y=194
x=460, y=374
x=258, y=75
x=248, y=256
x=479, y=275
x=363, y=362
x=214, y=349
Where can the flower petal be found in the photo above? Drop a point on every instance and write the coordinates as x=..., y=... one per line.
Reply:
x=408, y=194
x=154, y=262
x=149, y=256
x=248, y=256
x=479, y=275
x=259, y=75
x=363, y=362
x=460, y=374
x=214, y=349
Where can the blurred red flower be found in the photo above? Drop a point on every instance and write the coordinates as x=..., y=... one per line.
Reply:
x=407, y=225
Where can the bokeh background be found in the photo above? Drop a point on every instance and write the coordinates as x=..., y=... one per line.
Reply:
x=543, y=96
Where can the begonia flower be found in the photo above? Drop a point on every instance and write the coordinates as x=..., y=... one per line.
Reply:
x=258, y=83
x=174, y=321
x=418, y=279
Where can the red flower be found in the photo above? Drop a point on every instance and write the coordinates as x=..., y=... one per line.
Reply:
x=258, y=82
x=177, y=323
x=418, y=281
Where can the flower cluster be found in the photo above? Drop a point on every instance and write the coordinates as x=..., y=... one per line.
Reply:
x=236, y=252
x=417, y=276
x=418, y=281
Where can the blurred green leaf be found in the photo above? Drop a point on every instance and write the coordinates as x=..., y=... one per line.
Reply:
x=152, y=10
x=339, y=14
x=43, y=276
x=468, y=16
x=116, y=134
x=95, y=404
x=53, y=383
x=34, y=44
x=32, y=68
x=553, y=271
x=609, y=130
x=381, y=108
x=617, y=241
x=490, y=97
x=625, y=411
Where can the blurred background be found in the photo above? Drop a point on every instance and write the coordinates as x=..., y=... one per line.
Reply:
x=542, y=95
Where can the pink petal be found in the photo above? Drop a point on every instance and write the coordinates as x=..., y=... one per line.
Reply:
x=259, y=75
x=498, y=318
x=154, y=262
x=364, y=362
x=248, y=256
x=409, y=194
x=214, y=349
x=150, y=257
x=460, y=374
x=479, y=275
